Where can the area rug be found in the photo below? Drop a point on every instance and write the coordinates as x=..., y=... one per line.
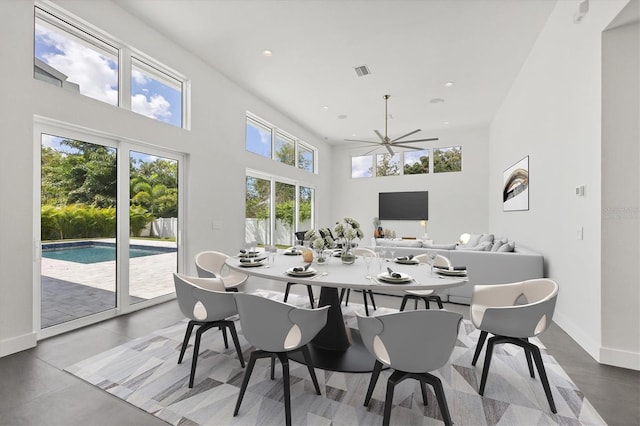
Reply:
x=144, y=372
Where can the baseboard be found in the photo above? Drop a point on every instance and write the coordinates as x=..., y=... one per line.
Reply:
x=578, y=335
x=17, y=344
x=620, y=358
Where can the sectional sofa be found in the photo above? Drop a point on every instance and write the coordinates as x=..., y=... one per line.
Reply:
x=483, y=266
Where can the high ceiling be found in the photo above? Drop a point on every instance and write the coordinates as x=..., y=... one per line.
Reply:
x=412, y=48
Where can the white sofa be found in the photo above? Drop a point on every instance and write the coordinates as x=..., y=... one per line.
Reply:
x=483, y=267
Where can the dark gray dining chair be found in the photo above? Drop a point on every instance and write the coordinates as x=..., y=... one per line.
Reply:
x=277, y=329
x=513, y=313
x=206, y=303
x=412, y=343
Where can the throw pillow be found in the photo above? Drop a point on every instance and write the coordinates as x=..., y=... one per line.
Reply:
x=486, y=238
x=499, y=243
x=508, y=247
x=474, y=240
x=486, y=246
x=451, y=246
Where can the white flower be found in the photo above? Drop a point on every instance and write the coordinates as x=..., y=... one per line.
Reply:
x=318, y=243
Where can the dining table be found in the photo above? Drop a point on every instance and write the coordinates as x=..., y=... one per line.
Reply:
x=338, y=347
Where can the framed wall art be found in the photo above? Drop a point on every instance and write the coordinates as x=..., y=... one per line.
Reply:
x=515, y=186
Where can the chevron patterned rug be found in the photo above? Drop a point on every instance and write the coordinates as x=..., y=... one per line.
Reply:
x=144, y=372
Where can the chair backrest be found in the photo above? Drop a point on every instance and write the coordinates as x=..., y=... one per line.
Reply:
x=440, y=260
x=521, y=309
x=411, y=341
x=275, y=326
x=203, y=299
x=362, y=251
x=209, y=263
x=300, y=237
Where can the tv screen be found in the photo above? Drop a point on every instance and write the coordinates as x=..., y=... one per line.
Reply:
x=403, y=205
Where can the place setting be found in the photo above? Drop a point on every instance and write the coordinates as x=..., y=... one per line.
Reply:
x=451, y=271
x=292, y=251
x=406, y=260
x=249, y=262
x=393, y=277
x=301, y=271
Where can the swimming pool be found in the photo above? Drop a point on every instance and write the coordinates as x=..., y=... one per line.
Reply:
x=94, y=252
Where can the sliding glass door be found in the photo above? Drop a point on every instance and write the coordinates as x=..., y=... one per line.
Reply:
x=108, y=225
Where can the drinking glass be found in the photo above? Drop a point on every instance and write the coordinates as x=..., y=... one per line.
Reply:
x=392, y=251
x=432, y=257
x=381, y=259
x=367, y=260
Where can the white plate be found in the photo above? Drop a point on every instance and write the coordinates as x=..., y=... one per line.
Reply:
x=292, y=253
x=451, y=273
x=406, y=261
x=307, y=273
x=388, y=278
x=249, y=254
x=252, y=264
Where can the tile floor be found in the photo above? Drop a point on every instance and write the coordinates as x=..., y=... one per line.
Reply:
x=35, y=391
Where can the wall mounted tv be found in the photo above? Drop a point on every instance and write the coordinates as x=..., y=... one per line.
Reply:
x=403, y=205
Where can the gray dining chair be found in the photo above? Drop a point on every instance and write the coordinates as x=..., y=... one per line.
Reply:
x=206, y=303
x=412, y=343
x=277, y=329
x=513, y=313
x=211, y=264
x=425, y=295
x=360, y=251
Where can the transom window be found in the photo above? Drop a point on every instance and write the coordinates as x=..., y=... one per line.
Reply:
x=79, y=59
x=413, y=162
x=268, y=141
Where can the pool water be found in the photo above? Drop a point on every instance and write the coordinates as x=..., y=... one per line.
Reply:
x=95, y=254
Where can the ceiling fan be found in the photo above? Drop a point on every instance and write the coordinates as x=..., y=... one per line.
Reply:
x=389, y=143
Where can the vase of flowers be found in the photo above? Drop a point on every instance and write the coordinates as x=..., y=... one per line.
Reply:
x=320, y=241
x=348, y=231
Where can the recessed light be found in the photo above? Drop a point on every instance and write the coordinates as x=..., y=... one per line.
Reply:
x=448, y=84
x=325, y=107
x=445, y=123
x=436, y=100
x=267, y=53
x=342, y=117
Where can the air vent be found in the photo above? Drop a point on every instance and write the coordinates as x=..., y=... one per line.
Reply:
x=362, y=70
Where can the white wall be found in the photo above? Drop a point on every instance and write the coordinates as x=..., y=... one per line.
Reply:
x=553, y=113
x=457, y=201
x=216, y=157
x=620, y=195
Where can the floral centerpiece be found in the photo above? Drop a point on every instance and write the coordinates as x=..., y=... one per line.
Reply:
x=347, y=231
x=320, y=241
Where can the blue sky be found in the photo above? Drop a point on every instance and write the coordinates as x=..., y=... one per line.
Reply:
x=96, y=72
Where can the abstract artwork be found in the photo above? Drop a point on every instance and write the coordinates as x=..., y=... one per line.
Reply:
x=515, y=186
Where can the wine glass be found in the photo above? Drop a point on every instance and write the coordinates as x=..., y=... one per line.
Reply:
x=432, y=257
x=392, y=250
x=381, y=258
x=367, y=260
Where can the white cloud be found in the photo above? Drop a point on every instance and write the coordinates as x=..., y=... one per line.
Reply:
x=50, y=140
x=361, y=166
x=155, y=107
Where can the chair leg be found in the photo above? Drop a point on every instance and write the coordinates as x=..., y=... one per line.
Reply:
x=377, y=367
x=185, y=342
x=438, y=300
x=194, y=360
x=535, y=351
x=487, y=363
x=346, y=302
x=426, y=303
x=366, y=305
x=286, y=291
x=284, y=360
x=405, y=298
x=442, y=400
x=245, y=381
x=236, y=342
x=483, y=336
x=373, y=302
x=273, y=367
x=223, y=330
x=423, y=388
x=527, y=354
x=310, y=292
x=395, y=378
x=312, y=371
x=415, y=304
x=342, y=294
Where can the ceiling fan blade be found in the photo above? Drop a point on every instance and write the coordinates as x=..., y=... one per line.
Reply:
x=389, y=149
x=417, y=148
x=408, y=134
x=373, y=150
x=358, y=140
x=419, y=140
x=379, y=135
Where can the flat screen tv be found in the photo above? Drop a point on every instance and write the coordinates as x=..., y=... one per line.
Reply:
x=403, y=205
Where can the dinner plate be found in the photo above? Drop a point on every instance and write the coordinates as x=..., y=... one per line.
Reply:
x=252, y=264
x=388, y=278
x=292, y=253
x=451, y=273
x=307, y=273
x=249, y=254
x=406, y=261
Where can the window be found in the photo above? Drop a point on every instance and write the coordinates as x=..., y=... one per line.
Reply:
x=305, y=158
x=285, y=150
x=282, y=148
x=155, y=94
x=362, y=166
x=70, y=58
x=83, y=60
x=447, y=159
x=258, y=138
x=276, y=209
x=416, y=162
x=388, y=165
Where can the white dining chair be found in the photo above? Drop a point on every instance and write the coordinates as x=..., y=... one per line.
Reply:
x=360, y=251
x=211, y=264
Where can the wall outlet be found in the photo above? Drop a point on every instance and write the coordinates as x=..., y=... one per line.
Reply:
x=580, y=191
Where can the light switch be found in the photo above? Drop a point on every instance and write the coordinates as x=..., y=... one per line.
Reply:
x=216, y=224
x=580, y=233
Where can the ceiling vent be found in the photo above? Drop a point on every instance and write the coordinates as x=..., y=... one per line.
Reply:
x=362, y=70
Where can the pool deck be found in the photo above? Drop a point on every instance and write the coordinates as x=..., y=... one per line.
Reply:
x=149, y=277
